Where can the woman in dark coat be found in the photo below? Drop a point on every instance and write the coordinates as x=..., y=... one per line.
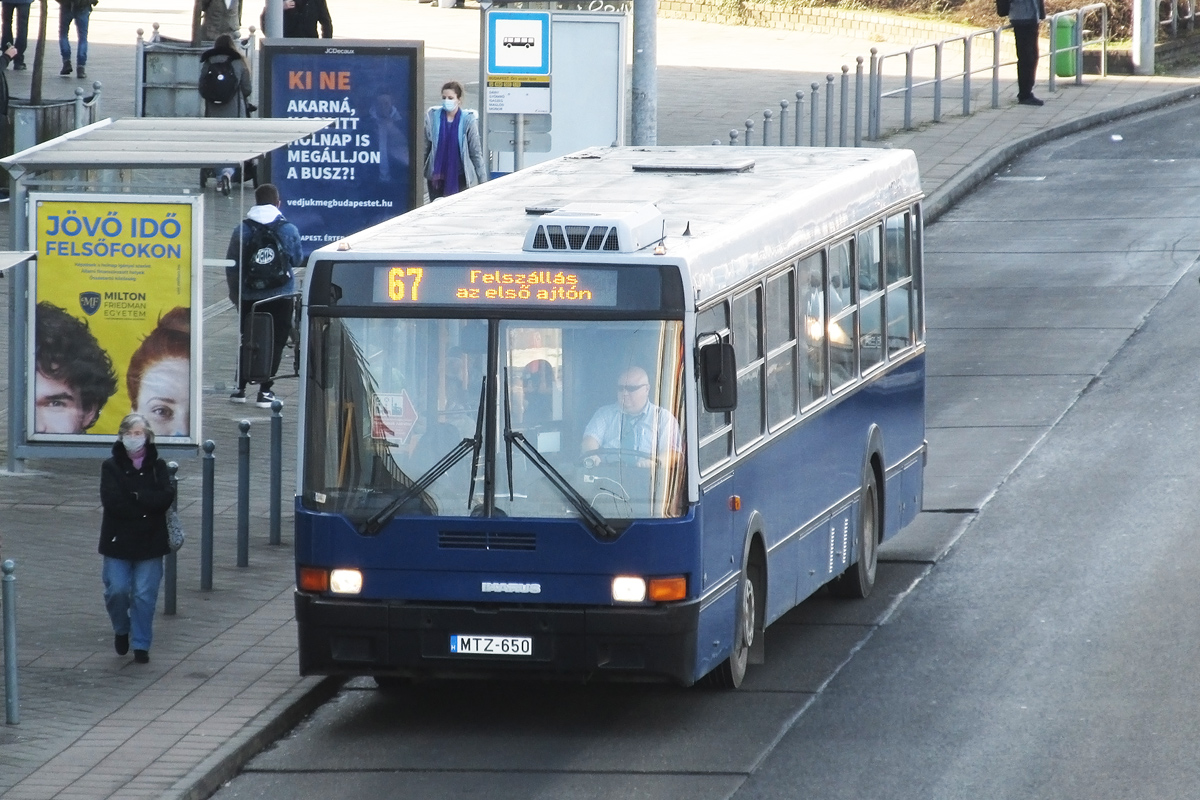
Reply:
x=135, y=490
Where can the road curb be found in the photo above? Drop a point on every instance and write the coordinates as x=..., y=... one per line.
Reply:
x=943, y=198
x=275, y=721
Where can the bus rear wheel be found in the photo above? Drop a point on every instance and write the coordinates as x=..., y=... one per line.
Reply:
x=732, y=671
x=859, y=578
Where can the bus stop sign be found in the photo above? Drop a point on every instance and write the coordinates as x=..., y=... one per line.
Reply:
x=518, y=62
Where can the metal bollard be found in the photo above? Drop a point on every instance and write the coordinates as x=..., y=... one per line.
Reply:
x=799, y=114
x=733, y=137
x=783, y=107
x=814, y=110
x=874, y=89
x=206, y=517
x=243, y=512
x=276, y=468
x=171, y=571
x=858, y=104
x=937, y=81
x=844, y=110
x=766, y=127
x=749, y=132
x=829, y=110
x=8, y=597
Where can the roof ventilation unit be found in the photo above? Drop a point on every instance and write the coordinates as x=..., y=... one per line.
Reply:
x=597, y=228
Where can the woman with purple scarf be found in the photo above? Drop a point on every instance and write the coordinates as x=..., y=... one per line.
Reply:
x=453, y=153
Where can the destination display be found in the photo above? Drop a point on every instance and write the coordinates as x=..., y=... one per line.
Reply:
x=485, y=284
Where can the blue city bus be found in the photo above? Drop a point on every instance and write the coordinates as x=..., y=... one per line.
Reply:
x=610, y=416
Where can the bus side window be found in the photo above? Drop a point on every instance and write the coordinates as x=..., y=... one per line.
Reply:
x=713, y=428
x=898, y=266
x=747, y=345
x=870, y=298
x=811, y=280
x=843, y=322
x=781, y=348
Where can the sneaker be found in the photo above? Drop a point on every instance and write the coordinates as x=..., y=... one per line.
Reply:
x=66, y=70
x=141, y=656
x=20, y=65
x=238, y=397
x=265, y=399
x=1030, y=101
x=81, y=73
x=121, y=643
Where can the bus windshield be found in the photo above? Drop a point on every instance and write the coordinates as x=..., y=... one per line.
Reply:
x=395, y=418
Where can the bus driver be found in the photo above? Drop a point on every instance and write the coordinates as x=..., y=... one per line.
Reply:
x=632, y=423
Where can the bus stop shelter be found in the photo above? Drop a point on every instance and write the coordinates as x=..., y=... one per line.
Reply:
x=78, y=161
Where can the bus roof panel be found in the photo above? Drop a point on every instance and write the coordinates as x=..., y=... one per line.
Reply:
x=738, y=222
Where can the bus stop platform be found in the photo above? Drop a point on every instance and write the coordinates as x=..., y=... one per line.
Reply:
x=222, y=680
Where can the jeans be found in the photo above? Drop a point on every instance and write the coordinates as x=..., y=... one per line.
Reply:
x=130, y=595
x=22, y=37
x=80, y=18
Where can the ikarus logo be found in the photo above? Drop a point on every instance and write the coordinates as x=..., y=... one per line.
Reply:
x=496, y=587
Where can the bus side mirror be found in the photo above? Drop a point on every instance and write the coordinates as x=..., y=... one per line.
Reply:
x=718, y=377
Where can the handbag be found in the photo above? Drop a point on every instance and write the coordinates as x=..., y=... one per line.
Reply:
x=175, y=532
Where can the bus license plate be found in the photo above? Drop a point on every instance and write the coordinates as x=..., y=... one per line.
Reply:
x=463, y=645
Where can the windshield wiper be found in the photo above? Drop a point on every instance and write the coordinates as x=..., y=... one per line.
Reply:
x=376, y=521
x=593, y=518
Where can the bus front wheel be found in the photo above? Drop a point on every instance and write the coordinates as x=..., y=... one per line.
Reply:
x=732, y=671
x=859, y=578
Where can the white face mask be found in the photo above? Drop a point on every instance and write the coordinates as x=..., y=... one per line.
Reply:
x=448, y=104
x=133, y=442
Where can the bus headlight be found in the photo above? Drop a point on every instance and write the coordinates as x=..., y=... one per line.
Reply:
x=628, y=589
x=345, y=581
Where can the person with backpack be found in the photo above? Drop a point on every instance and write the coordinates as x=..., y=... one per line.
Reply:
x=225, y=86
x=266, y=251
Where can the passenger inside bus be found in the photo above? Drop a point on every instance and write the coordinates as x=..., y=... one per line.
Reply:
x=632, y=430
x=537, y=392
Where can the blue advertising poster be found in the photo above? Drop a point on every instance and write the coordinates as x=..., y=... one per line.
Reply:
x=363, y=169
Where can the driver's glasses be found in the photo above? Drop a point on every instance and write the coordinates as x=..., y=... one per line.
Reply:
x=630, y=388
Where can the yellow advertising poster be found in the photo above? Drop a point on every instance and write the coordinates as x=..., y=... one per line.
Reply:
x=115, y=324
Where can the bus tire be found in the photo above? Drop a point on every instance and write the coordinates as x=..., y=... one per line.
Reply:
x=859, y=578
x=750, y=608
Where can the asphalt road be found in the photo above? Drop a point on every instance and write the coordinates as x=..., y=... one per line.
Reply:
x=1034, y=634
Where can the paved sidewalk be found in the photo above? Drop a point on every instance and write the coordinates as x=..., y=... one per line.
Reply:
x=222, y=681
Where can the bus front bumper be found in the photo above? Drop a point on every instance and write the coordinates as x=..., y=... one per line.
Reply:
x=351, y=637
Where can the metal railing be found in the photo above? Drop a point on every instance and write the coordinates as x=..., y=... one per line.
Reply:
x=1171, y=24
x=969, y=53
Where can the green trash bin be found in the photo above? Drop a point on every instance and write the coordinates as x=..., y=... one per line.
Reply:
x=1064, y=39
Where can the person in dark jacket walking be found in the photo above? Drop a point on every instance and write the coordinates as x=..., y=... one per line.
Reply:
x=136, y=493
x=20, y=9
x=238, y=106
x=301, y=17
x=243, y=296
x=77, y=11
x=1025, y=17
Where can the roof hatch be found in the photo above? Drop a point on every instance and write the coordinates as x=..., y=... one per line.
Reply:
x=596, y=227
